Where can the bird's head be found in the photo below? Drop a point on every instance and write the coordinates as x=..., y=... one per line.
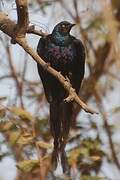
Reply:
x=63, y=28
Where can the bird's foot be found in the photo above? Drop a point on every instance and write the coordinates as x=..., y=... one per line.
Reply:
x=67, y=79
x=70, y=98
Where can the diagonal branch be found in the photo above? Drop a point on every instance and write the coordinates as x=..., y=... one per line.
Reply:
x=8, y=26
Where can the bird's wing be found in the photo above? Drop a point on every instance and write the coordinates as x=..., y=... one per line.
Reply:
x=79, y=66
x=42, y=72
x=41, y=46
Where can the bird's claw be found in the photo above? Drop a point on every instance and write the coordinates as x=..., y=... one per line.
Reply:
x=69, y=99
x=67, y=79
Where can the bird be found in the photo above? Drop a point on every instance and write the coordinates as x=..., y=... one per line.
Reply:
x=66, y=54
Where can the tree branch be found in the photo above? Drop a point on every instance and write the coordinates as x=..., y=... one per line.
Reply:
x=32, y=30
x=23, y=18
x=8, y=26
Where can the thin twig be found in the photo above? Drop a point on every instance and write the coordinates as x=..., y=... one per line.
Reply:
x=14, y=75
x=32, y=30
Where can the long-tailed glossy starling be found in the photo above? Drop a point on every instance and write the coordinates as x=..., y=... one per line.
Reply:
x=66, y=54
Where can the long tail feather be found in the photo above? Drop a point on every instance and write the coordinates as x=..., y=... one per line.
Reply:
x=60, y=121
x=66, y=124
x=55, y=126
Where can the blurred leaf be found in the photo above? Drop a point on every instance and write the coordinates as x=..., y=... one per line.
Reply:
x=96, y=23
x=42, y=128
x=2, y=112
x=116, y=109
x=7, y=126
x=24, y=115
x=14, y=137
x=44, y=5
x=25, y=140
x=91, y=144
x=27, y=165
x=2, y=155
x=95, y=158
x=44, y=145
x=74, y=154
x=92, y=178
x=93, y=125
x=3, y=98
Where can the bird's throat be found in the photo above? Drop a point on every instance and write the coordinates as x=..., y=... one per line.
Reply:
x=60, y=39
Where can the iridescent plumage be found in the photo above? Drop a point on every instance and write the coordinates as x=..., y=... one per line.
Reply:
x=66, y=54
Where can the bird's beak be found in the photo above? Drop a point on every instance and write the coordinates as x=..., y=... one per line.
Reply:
x=72, y=25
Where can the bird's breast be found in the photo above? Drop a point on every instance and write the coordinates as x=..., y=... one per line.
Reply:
x=60, y=56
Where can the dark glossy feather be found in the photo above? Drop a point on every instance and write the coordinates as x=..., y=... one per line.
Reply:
x=66, y=54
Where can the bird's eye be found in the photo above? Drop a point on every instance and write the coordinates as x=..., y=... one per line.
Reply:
x=63, y=26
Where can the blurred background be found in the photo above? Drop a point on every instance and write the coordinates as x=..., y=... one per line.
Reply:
x=93, y=148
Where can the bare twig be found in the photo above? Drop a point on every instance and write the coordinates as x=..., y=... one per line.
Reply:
x=5, y=77
x=32, y=30
x=14, y=75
